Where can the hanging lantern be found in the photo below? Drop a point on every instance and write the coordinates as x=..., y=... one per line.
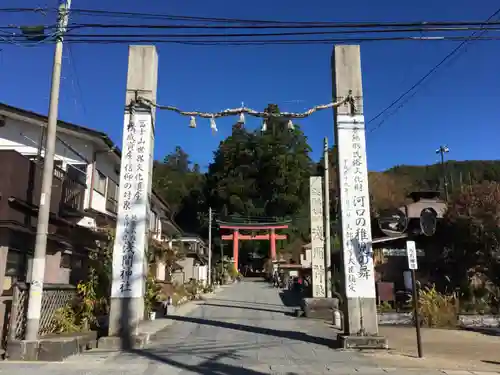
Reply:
x=192, y=122
x=242, y=119
x=213, y=125
x=264, y=126
x=290, y=125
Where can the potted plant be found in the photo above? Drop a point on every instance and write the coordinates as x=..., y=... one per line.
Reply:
x=151, y=296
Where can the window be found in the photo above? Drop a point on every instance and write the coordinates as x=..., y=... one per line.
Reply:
x=99, y=182
x=65, y=260
x=112, y=196
x=77, y=173
x=16, y=264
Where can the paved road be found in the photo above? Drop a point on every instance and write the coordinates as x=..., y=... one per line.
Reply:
x=245, y=330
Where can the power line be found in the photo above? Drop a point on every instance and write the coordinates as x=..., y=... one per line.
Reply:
x=294, y=33
x=251, y=42
x=264, y=23
x=375, y=27
x=334, y=25
x=4, y=29
x=472, y=37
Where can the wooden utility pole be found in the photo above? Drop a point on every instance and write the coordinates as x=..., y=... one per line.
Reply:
x=360, y=308
x=42, y=228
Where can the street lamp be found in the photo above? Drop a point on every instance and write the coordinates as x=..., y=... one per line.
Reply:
x=444, y=150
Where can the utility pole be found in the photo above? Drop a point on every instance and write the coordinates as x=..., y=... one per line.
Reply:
x=38, y=266
x=328, y=250
x=444, y=150
x=210, y=246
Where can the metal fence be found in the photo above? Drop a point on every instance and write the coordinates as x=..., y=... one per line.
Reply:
x=54, y=297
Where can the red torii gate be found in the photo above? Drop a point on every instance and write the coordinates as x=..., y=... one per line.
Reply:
x=236, y=236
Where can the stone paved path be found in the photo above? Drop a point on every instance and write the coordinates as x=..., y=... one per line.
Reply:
x=246, y=327
x=244, y=330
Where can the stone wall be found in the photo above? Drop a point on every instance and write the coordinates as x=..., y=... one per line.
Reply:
x=464, y=320
x=474, y=321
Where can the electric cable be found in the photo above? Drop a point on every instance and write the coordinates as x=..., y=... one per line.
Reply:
x=428, y=74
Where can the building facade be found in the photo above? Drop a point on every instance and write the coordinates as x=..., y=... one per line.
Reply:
x=83, y=202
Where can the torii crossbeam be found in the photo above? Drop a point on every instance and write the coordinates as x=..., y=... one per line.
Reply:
x=236, y=236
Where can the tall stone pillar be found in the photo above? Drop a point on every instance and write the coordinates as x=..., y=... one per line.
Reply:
x=317, y=236
x=360, y=310
x=129, y=261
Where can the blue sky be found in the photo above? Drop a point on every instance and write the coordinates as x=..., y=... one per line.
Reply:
x=459, y=106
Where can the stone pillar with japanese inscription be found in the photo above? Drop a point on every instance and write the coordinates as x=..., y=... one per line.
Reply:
x=317, y=237
x=130, y=247
x=360, y=309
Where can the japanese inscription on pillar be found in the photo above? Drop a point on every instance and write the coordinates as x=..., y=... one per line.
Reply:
x=133, y=207
x=317, y=237
x=355, y=207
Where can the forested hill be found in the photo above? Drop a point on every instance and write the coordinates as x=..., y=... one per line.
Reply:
x=264, y=174
x=458, y=173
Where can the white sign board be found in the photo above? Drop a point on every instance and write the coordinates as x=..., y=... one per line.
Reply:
x=411, y=253
x=317, y=237
x=129, y=263
x=355, y=207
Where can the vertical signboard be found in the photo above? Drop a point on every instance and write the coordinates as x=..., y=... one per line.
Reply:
x=355, y=207
x=411, y=253
x=317, y=237
x=129, y=270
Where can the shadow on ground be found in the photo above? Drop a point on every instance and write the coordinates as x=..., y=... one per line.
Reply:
x=291, y=335
x=235, y=301
x=491, y=362
x=290, y=298
x=483, y=330
x=209, y=366
x=254, y=308
x=212, y=354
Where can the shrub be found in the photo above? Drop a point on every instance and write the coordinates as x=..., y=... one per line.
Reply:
x=385, y=307
x=208, y=289
x=152, y=295
x=437, y=309
x=233, y=272
x=193, y=288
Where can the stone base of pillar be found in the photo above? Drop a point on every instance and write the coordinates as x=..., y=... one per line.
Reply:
x=360, y=316
x=117, y=343
x=361, y=325
x=125, y=315
x=319, y=307
x=362, y=342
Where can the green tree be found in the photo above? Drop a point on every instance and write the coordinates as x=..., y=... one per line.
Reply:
x=262, y=173
x=182, y=187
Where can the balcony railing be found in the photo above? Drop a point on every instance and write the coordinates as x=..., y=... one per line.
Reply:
x=73, y=194
x=22, y=180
